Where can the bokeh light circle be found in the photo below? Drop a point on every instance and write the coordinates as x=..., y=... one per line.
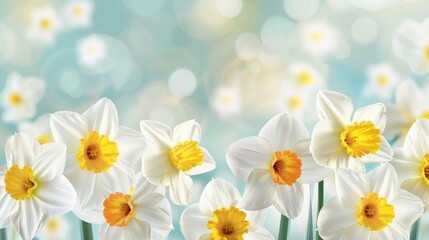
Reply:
x=182, y=82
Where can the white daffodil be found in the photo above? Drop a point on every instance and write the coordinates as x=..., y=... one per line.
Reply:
x=100, y=154
x=369, y=207
x=318, y=38
x=305, y=76
x=338, y=142
x=20, y=96
x=219, y=215
x=44, y=25
x=275, y=164
x=139, y=211
x=39, y=129
x=91, y=50
x=411, y=104
x=226, y=101
x=382, y=80
x=412, y=161
x=56, y=228
x=32, y=184
x=171, y=158
x=293, y=99
x=411, y=43
x=78, y=13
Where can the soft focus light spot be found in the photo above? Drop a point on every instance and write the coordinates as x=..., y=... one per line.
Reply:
x=277, y=33
x=229, y=8
x=301, y=9
x=255, y=67
x=70, y=83
x=182, y=83
x=247, y=46
x=364, y=30
x=143, y=7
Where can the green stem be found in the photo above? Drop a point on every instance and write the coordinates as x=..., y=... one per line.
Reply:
x=320, y=195
x=3, y=233
x=310, y=222
x=86, y=231
x=415, y=230
x=284, y=225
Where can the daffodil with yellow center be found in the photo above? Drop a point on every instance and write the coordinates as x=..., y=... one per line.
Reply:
x=369, y=206
x=78, y=13
x=219, y=216
x=98, y=151
x=383, y=79
x=15, y=98
x=39, y=129
x=44, y=24
x=33, y=186
x=341, y=142
x=274, y=165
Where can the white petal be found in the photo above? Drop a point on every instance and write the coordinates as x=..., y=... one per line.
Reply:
x=102, y=117
x=333, y=219
x=375, y=113
x=359, y=232
x=28, y=219
x=384, y=181
x=8, y=206
x=258, y=234
x=334, y=107
x=405, y=168
x=117, y=179
x=418, y=187
x=283, y=131
x=311, y=172
x=289, y=199
x=137, y=230
x=91, y=215
x=50, y=161
x=247, y=154
x=217, y=194
x=33, y=88
x=130, y=144
x=110, y=233
x=180, y=189
x=208, y=165
x=416, y=144
x=351, y=186
x=187, y=131
x=396, y=121
x=410, y=98
x=69, y=128
x=260, y=190
x=20, y=149
x=193, y=222
x=384, y=154
x=142, y=188
x=159, y=218
x=408, y=208
x=84, y=183
x=156, y=165
x=57, y=196
x=256, y=218
x=156, y=133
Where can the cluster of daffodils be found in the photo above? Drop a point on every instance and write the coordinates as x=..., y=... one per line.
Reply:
x=117, y=177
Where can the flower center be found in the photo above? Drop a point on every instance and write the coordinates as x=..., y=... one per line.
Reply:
x=360, y=139
x=424, y=114
x=45, y=138
x=45, y=23
x=426, y=53
x=294, y=102
x=305, y=78
x=97, y=153
x=374, y=212
x=382, y=80
x=228, y=224
x=186, y=155
x=53, y=225
x=316, y=36
x=285, y=168
x=118, y=209
x=15, y=99
x=20, y=182
x=78, y=11
x=424, y=174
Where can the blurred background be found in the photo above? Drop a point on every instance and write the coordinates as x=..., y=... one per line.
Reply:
x=229, y=64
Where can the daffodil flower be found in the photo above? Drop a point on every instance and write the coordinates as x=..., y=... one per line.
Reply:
x=275, y=164
x=32, y=184
x=78, y=13
x=171, y=158
x=100, y=154
x=219, y=215
x=38, y=129
x=412, y=161
x=45, y=24
x=338, y=142
x=369, y=206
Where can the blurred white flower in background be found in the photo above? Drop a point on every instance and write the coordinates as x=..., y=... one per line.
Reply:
x=91, y=50
x=226, y=101
x=374, y=4
x=411, y=43
x=78, y=13
x=45, y=25
x=318, y=38
x=38, y=129
x=304, y=75
x=293, y=99
x=382, y=80
x=57, y=228
x=20, y=96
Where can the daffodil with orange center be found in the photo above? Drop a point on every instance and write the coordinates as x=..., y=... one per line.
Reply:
x=220, y=216
x=341, y=142
x=369, y=206
x=275, y=164
x=99, y=153
x=172, y=157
